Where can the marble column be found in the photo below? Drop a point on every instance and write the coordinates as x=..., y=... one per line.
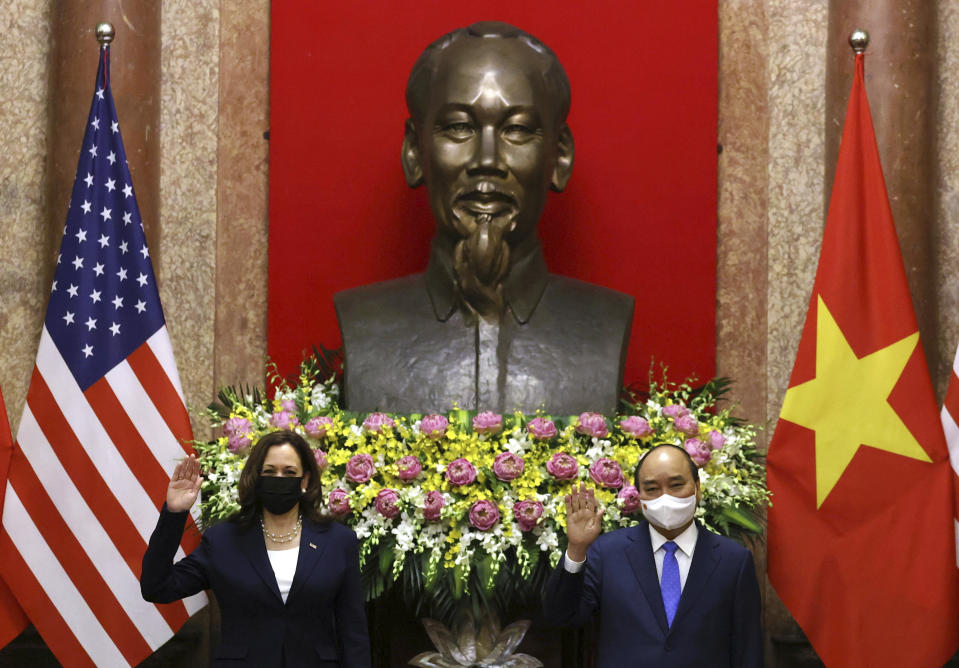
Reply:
x=901, y=85
x=241, y=189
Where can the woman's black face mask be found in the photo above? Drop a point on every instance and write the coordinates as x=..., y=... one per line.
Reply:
x=278, y=494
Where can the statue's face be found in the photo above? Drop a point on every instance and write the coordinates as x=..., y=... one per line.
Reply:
x=488, y=144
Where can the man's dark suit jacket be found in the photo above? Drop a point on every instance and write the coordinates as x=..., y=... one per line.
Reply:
x=717, y=623
x=323, y=622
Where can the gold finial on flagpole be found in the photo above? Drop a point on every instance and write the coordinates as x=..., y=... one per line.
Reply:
x=859, y=40
x=105, y=33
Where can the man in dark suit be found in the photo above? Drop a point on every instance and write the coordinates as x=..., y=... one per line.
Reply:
x=668, y=591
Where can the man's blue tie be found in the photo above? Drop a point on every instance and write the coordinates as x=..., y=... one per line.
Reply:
x=670, y=582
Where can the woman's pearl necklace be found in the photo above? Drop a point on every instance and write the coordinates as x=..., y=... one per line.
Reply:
x=283, y=537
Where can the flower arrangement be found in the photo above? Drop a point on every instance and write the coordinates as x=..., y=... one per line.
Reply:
x=472, y=503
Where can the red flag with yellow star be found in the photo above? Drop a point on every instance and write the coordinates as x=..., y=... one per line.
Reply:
x=12, y=618
x=861, y=546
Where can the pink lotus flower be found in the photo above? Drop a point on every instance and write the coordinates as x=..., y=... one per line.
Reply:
x=288, y=405
x=629, y=496
x=484, y=515
x=238, y=442
x=284, y=420
x=460, y=472
x=635, y=427
x=541, y=428
x=592, y=424
x=375, y=422
x=487, y=423
x=339, y=503
x=318, y=426
x=434, y=426
x=433, y=505
x=527, y=514
x=674, y=411
x=320, y=458
x=562, y=466
x=238, y=432
x=360, y=468
x=409, y=467
x=607, y=472
x=508, y=466
x=700, y=452
x=237, y=425
x=387, y=503
x=687, y=424
x=716, y=440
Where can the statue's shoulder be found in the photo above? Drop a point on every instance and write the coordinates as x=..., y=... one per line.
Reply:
x=395, y=300
x=588, y=297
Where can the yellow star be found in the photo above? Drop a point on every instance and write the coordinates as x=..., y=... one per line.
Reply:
x=846, y=403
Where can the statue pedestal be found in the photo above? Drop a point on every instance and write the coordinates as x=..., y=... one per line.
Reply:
x=397, y=637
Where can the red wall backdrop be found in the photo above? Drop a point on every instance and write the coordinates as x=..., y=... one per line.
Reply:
x=639, y=214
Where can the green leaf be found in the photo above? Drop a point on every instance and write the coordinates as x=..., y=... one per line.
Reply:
x=461, y=419
x=460, y=575
x=374, y=584
x=385, y=559
x=484, y=572
x=741, y=518
x=430, y=575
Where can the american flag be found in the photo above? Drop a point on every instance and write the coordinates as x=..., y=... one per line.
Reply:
x=103, y=426
x=950, y=424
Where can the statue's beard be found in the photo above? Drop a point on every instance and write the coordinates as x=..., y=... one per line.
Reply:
x=481, y=262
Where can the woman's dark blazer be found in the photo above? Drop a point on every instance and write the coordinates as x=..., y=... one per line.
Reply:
x=322, y=623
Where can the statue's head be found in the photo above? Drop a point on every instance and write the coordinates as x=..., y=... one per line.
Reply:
x=487, y=134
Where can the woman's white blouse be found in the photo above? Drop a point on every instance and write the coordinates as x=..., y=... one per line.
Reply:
x=284, y=566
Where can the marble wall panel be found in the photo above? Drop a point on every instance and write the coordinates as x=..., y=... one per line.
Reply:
x=743, y=194
x=241, y=241
x=947, y=214
x=26, y=264
x=797, y=70
x=742, y=209
x=795, y=170
x=189, y=90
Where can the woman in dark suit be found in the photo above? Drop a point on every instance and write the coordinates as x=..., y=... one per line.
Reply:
x=287, y=579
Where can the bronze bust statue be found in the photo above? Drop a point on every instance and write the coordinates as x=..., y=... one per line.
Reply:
x=486, y=327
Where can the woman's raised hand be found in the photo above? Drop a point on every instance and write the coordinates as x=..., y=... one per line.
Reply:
x=184, y=485
x=584, y=521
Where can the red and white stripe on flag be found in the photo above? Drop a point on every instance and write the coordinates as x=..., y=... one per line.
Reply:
x=88, y=472
x=950, y=424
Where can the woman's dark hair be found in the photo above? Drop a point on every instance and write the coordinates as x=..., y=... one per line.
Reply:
x=250, y=507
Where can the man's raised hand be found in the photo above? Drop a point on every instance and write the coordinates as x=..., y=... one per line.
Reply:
x=584, y=521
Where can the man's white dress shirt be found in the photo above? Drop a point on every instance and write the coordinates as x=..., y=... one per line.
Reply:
x=686, y=542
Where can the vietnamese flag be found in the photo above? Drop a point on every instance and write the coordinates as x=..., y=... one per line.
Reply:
x=861, y=545
x=12, y=618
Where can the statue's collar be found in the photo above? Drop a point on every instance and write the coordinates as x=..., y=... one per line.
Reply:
x=522, y=288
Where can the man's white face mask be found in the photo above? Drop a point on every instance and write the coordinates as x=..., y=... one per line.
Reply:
x=669, y=512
